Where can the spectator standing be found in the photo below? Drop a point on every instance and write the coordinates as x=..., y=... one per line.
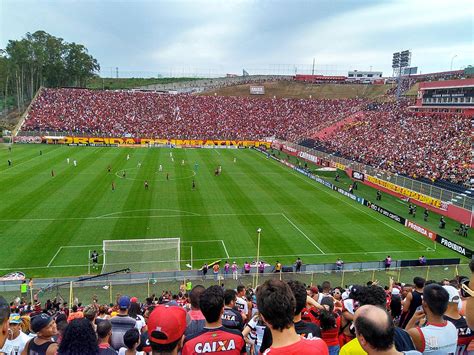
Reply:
x=121, y=323
x=104, y=332
x=375, y=331
x=215, y=271
x=214, y=338
x=16, y=338
x=247, y=267
x=204, y=271
x=339, y=264
x=306, y=329
x=437, y=336
x=412, y=301
x=226, y=269
x=79, y=338
x=196, y=317
x=276, y=303
x=166, y=326
x=388, y=262
x=44, y=327
x=241, y=302
x=465, y=335
x=131, y=339
x=470, y=300
x=261, y=267
x=231, y=318
x=4, y=317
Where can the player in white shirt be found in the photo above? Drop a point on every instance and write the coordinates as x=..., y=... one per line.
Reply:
x=182, y=162
x=160, y=168
x=67, y=160
x=75, y=162
x=16, y=338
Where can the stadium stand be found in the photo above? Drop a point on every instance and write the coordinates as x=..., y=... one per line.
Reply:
x=146, y=114
x=162, y=322
x=434, y=147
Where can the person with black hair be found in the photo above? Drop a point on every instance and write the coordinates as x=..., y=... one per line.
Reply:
x=197, y=319
x=4, y=317
x=79, y=338
x=305, y=329
x=131, y=339
x=375, y=331
x=231, y=318
x=437, y=336
x=104, y=332
x=214, y=337
x=44, y=326
x=277, y=304
x=412, y=301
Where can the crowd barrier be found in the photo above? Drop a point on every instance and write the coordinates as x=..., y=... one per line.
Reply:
x=143, y=285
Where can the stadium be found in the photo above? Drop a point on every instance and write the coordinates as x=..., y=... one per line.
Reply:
x=121, y=187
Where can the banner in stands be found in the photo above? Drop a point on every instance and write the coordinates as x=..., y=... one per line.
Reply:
x=257, y=90
x=454, y=246
x=97, y=141
x=345, y=193
x=27, y=139
x=309, y=157
x=385, y=212
x=338, y=166
x=422, y=230
x=404, y=191
x=357, y=175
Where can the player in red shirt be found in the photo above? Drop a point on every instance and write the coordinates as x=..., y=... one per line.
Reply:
x=276, y=304
x=214, y=338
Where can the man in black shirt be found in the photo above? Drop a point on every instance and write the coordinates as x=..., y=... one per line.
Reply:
x=95, y=259
x=231, y=318
x=306, y=329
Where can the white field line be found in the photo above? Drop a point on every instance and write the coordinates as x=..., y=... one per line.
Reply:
x=54, y=257
x=138, y=217
x=303, y=233
x=343, y=199
x=217, y=151
x=148, y=209
x=225, y=249
x=238, y=257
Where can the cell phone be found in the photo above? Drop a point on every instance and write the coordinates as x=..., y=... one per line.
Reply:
x=419, y=308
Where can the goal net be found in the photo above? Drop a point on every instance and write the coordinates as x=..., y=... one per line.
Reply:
x=141, y=255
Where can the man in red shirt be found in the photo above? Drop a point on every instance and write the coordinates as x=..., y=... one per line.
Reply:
x=276, y=304
x=214, y=338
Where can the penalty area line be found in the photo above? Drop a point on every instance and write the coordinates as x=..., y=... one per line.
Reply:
x=303, y=233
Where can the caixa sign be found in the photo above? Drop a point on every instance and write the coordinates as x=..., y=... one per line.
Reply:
x=357, y=175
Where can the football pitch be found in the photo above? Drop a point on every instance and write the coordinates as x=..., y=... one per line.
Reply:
x=50, y=223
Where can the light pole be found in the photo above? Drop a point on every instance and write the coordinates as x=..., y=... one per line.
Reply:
x=259, y=230
x=452, y=59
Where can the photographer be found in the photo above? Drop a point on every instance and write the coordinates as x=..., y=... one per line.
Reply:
x=470, y=300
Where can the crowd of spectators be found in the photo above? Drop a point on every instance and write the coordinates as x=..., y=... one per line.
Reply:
x=151, y=115
x=277, y=317
x=433, y=146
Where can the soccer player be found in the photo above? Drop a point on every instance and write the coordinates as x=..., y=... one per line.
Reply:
x=160, y=168
x=95, y=259
x=108, y=169
x=425, y=215
x=113, y=186
x=194, y=185
x=74, y=162
x=124, y=174
x=146, y=184
x=172, y=159
x=139, y=165
x=171, y=154
x=52, y=172
x=167, y=176
x=67, y=160
x=235, y=160
x=214, y=337
x=128, y=156
x=379, y=195
x=9, y=162
x=182, y=162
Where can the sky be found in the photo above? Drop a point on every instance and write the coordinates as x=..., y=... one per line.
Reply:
x=144, y=38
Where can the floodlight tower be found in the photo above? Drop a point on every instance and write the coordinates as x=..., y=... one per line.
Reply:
x=400, y=61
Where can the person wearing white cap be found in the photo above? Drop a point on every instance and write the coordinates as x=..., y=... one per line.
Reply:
x=465, y=335
x=16, y=338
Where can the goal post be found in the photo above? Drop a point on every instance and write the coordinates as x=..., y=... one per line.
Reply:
x=141, y=255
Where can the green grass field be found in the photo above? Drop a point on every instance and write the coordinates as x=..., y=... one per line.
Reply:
x=48, y=224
